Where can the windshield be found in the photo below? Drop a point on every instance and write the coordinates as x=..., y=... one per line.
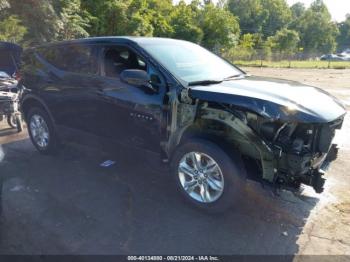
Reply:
x=190, y=62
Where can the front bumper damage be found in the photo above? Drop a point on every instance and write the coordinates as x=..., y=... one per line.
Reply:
x=308, y=170
x=307, y=159
x=289, y=153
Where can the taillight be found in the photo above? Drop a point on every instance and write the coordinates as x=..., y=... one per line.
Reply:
x=17, y=76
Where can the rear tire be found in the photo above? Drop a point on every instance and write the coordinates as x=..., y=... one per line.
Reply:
x=212, y=189
x=42, y=132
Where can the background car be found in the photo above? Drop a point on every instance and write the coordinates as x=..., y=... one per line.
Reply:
x=332, y=57
x=344, y=56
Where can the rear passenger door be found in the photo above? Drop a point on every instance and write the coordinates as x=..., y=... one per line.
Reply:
x=70, y=88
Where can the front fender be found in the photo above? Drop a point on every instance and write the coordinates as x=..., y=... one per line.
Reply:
x=244, y=137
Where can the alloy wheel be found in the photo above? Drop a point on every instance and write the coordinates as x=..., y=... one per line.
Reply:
x=201, y=177
x=39, y=131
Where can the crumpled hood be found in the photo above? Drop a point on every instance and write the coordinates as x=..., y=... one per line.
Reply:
x=274, y=98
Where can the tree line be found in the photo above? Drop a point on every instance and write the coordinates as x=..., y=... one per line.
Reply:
x=234, y=28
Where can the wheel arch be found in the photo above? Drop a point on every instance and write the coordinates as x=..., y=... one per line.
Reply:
x=211, y=130
x=232, y=134
x=31, y=101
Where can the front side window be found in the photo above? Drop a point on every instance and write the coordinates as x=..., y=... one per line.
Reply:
x=118, y=59
x=190, y=62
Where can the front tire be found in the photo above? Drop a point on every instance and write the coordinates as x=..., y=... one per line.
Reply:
x=42, y=132
x=207, y=176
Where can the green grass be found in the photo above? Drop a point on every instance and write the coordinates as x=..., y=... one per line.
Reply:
x=295, y=64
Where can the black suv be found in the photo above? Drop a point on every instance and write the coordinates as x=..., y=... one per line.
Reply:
x=204, y=116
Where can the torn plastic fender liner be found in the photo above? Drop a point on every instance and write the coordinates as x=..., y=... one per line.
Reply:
x=266, y=153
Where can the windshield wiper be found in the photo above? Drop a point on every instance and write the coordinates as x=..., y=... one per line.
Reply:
x=204, y=82
x=232, y=77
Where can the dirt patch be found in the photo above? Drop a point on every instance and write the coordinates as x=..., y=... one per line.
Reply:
x=343, y=208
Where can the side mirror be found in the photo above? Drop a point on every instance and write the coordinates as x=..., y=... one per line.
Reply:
x=138, y=78
x=135, y=77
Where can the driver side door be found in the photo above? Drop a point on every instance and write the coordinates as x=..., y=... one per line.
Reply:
x=129, y=114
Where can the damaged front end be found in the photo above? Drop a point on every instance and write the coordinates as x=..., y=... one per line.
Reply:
x=302, y=151
x=291, y=147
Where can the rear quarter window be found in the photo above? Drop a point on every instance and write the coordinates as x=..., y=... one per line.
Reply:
x=72, y=58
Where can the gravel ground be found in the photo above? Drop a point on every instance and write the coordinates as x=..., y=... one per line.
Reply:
x=68, y=204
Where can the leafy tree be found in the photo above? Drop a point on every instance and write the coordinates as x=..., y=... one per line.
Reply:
x=250, y=13
x=184, y=24
x=298, y=9
x=265, y=24
x=109, y=17
x=318, y=6
x=74, y=21
x=160, y=18
x=278, y=16
x=317, y=32
x=12, y=30
x=245, y=49
x=247, y=41
x=258, y=39
x=285, y=41
x=344, y=36
x=266, y=16
x=39, y=17
x=129, y=17
x=139, y=16
x=220, y=28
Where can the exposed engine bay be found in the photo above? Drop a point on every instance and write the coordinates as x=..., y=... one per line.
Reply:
x=302, y=150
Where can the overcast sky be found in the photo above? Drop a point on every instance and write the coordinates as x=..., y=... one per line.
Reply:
x=338, y=8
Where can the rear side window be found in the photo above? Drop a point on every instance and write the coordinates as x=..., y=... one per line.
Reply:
x=73, y=58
